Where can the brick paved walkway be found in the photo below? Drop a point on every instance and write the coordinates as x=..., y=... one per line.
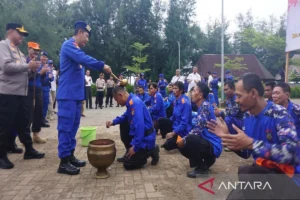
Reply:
x=37, y=179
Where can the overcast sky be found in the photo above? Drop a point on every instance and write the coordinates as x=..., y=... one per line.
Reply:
x=211, y=9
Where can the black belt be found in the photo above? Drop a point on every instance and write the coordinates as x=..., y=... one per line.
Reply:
x=149, y=132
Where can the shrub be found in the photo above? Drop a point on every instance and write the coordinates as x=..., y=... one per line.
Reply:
x=129, y=88
x=295, y=91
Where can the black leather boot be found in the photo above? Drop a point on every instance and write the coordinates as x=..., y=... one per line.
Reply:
x=14, y=149
x=31, y=153
x=65, y=167
x=155, y=155
x=74, y=161
x=5, y=163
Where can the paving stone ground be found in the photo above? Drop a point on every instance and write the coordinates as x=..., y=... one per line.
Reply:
x=37, y=179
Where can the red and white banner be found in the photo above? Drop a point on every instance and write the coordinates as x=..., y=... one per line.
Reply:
x=293, y=26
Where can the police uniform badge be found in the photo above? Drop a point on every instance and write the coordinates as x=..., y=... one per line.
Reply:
x=88, y=28
x=269, y=134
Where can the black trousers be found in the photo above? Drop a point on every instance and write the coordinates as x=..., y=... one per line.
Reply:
x=88, y=96
x=14, y=113
x=169, y=111
x=139, y=159
x=166, y=126
x=199, y=151
x=282, y=186
x=36, y=112
x=109, y=96
x=99, y=98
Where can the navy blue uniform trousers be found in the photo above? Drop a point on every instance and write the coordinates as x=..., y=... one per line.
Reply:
x=69, y=113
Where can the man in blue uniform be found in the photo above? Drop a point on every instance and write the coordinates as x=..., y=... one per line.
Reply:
x=180, y=124
x=157, y=108
x=228, y=76
x=281, y=96
x=269, y=135
x=232, y=113
x=214, y=86
x=269, y=86
x=70, y=95
x=144, y=96
x=46, y=79
x=141, y=132
x=35, y=90
x=162, y=84
x=143, y=82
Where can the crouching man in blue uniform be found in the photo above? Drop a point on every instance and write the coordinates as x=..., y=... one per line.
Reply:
x=141, y=132
x=70, y=95
x=269, y=135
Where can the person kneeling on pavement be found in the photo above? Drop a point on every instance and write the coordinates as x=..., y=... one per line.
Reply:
x=142, y=145
x=179, y=125
x=200, y=146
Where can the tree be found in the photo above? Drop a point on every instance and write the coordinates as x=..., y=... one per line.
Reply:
x=269, y=48
x=233, y=64
x=138, y=61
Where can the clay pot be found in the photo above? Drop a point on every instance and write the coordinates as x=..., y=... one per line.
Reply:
x=101, y=154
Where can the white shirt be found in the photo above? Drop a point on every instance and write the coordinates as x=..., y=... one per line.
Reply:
x=193, y=77
x=177, y=78
x=89, y=80
x=53, y=83
x=210, y=78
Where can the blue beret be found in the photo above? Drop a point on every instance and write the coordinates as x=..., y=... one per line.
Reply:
x=161, y=75
x=214, y=72
x=228, y=71
x=84, y=26
x=50, y=62
x=44, y=53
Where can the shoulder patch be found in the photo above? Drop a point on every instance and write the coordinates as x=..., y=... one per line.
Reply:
x=76, y=45
x=182, y=100
x=131, y=102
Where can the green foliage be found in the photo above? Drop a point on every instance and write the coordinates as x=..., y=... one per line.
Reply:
x=234, y=64
x=295, y=91
x=129, y=88
x=138, y=61
x=94, y=90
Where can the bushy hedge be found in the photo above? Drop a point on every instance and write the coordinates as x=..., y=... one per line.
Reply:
x=295, y=91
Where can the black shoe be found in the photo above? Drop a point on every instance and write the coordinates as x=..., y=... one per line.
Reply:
x=197, y=172
x=110, y=105
x=75, y=162
x=46, y=121
x=45, y=125
x=121, y=159
x=82, y=115
x=101, y=107
x=91, y=108
x=33, y=154
x=96, y=108
x=117, y=106
x=155, y=155
x=65, y=167
x=14, y=149
x=106, y=106
x=5, y=163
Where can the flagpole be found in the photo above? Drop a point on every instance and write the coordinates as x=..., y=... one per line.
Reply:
x=222, y=54
x=287, y=61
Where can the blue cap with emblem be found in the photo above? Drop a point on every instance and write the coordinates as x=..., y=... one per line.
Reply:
x=228, y=72
x=161, y=75
x=142, y=74
x=215, y=73
x=44, y=53
x=84, y=26
x=50, y=62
